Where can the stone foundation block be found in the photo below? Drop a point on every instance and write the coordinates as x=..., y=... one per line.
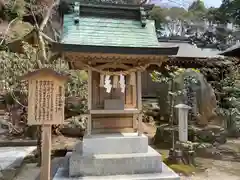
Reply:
x=113, y=164
x=166, y=174
x=122, y=143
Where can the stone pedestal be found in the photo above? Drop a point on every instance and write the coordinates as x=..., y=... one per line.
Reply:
x=113, y=164
x=115, y=156
x=124, y=143
x=125, y=153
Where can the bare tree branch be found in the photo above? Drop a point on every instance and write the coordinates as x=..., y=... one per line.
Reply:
x=47, y=37
x=42, y=47
x=45, y=20
x=39, y=62
x=43, y=24
x=41, y=35
x=56, y=34
x=34, y=17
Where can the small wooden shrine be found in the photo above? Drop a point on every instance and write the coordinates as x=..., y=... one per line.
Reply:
x=114, y=43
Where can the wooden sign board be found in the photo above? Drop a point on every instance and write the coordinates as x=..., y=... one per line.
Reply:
x=46, y=97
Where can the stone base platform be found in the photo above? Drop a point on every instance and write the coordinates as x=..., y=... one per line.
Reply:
x=119, y=143
x=113, y=164
x=117, y=157
x=166, y=174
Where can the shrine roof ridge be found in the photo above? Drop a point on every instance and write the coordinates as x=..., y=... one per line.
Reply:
x=126, y=11
x=109, y=3
x=119, y=11
x=46, y=71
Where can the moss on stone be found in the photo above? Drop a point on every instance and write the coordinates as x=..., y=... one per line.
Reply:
x=183, y=169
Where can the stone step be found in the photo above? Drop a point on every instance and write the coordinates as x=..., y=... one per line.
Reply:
x=113, y=164
x=166, y=174
x=121, y=143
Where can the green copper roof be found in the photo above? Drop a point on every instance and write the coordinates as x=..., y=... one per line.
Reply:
x=108, y=28
x=102, y=31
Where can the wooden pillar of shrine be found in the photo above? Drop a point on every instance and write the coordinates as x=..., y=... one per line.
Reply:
x=90, y=86
x=139, y=101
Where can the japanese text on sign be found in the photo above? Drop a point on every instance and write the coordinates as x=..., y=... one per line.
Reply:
x=43, y=106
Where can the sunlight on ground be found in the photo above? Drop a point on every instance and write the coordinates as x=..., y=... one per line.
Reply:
x=178, y=168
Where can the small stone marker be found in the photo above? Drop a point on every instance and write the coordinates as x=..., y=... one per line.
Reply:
x=183, y=121
x=46, y=99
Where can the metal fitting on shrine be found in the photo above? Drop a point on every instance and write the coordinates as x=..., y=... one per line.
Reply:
x=143, y=16
x=77, y=13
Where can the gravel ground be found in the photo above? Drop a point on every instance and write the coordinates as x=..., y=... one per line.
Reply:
x=217, y=170
x=212, y=174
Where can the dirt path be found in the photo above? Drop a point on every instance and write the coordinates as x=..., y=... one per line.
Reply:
x=217, y=170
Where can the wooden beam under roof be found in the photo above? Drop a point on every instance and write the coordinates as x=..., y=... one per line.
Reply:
x=151, y=51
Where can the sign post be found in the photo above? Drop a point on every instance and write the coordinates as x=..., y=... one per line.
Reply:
x=46, y=152
x=183, y=121
x=46, y=97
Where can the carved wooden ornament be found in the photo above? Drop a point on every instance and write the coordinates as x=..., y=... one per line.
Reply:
x=46, y=97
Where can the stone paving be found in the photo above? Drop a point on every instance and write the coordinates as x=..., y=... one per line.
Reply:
x=2, y=131
x=11, y=157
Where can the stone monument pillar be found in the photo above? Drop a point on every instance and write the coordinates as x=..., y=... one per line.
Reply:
x=183, y=121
